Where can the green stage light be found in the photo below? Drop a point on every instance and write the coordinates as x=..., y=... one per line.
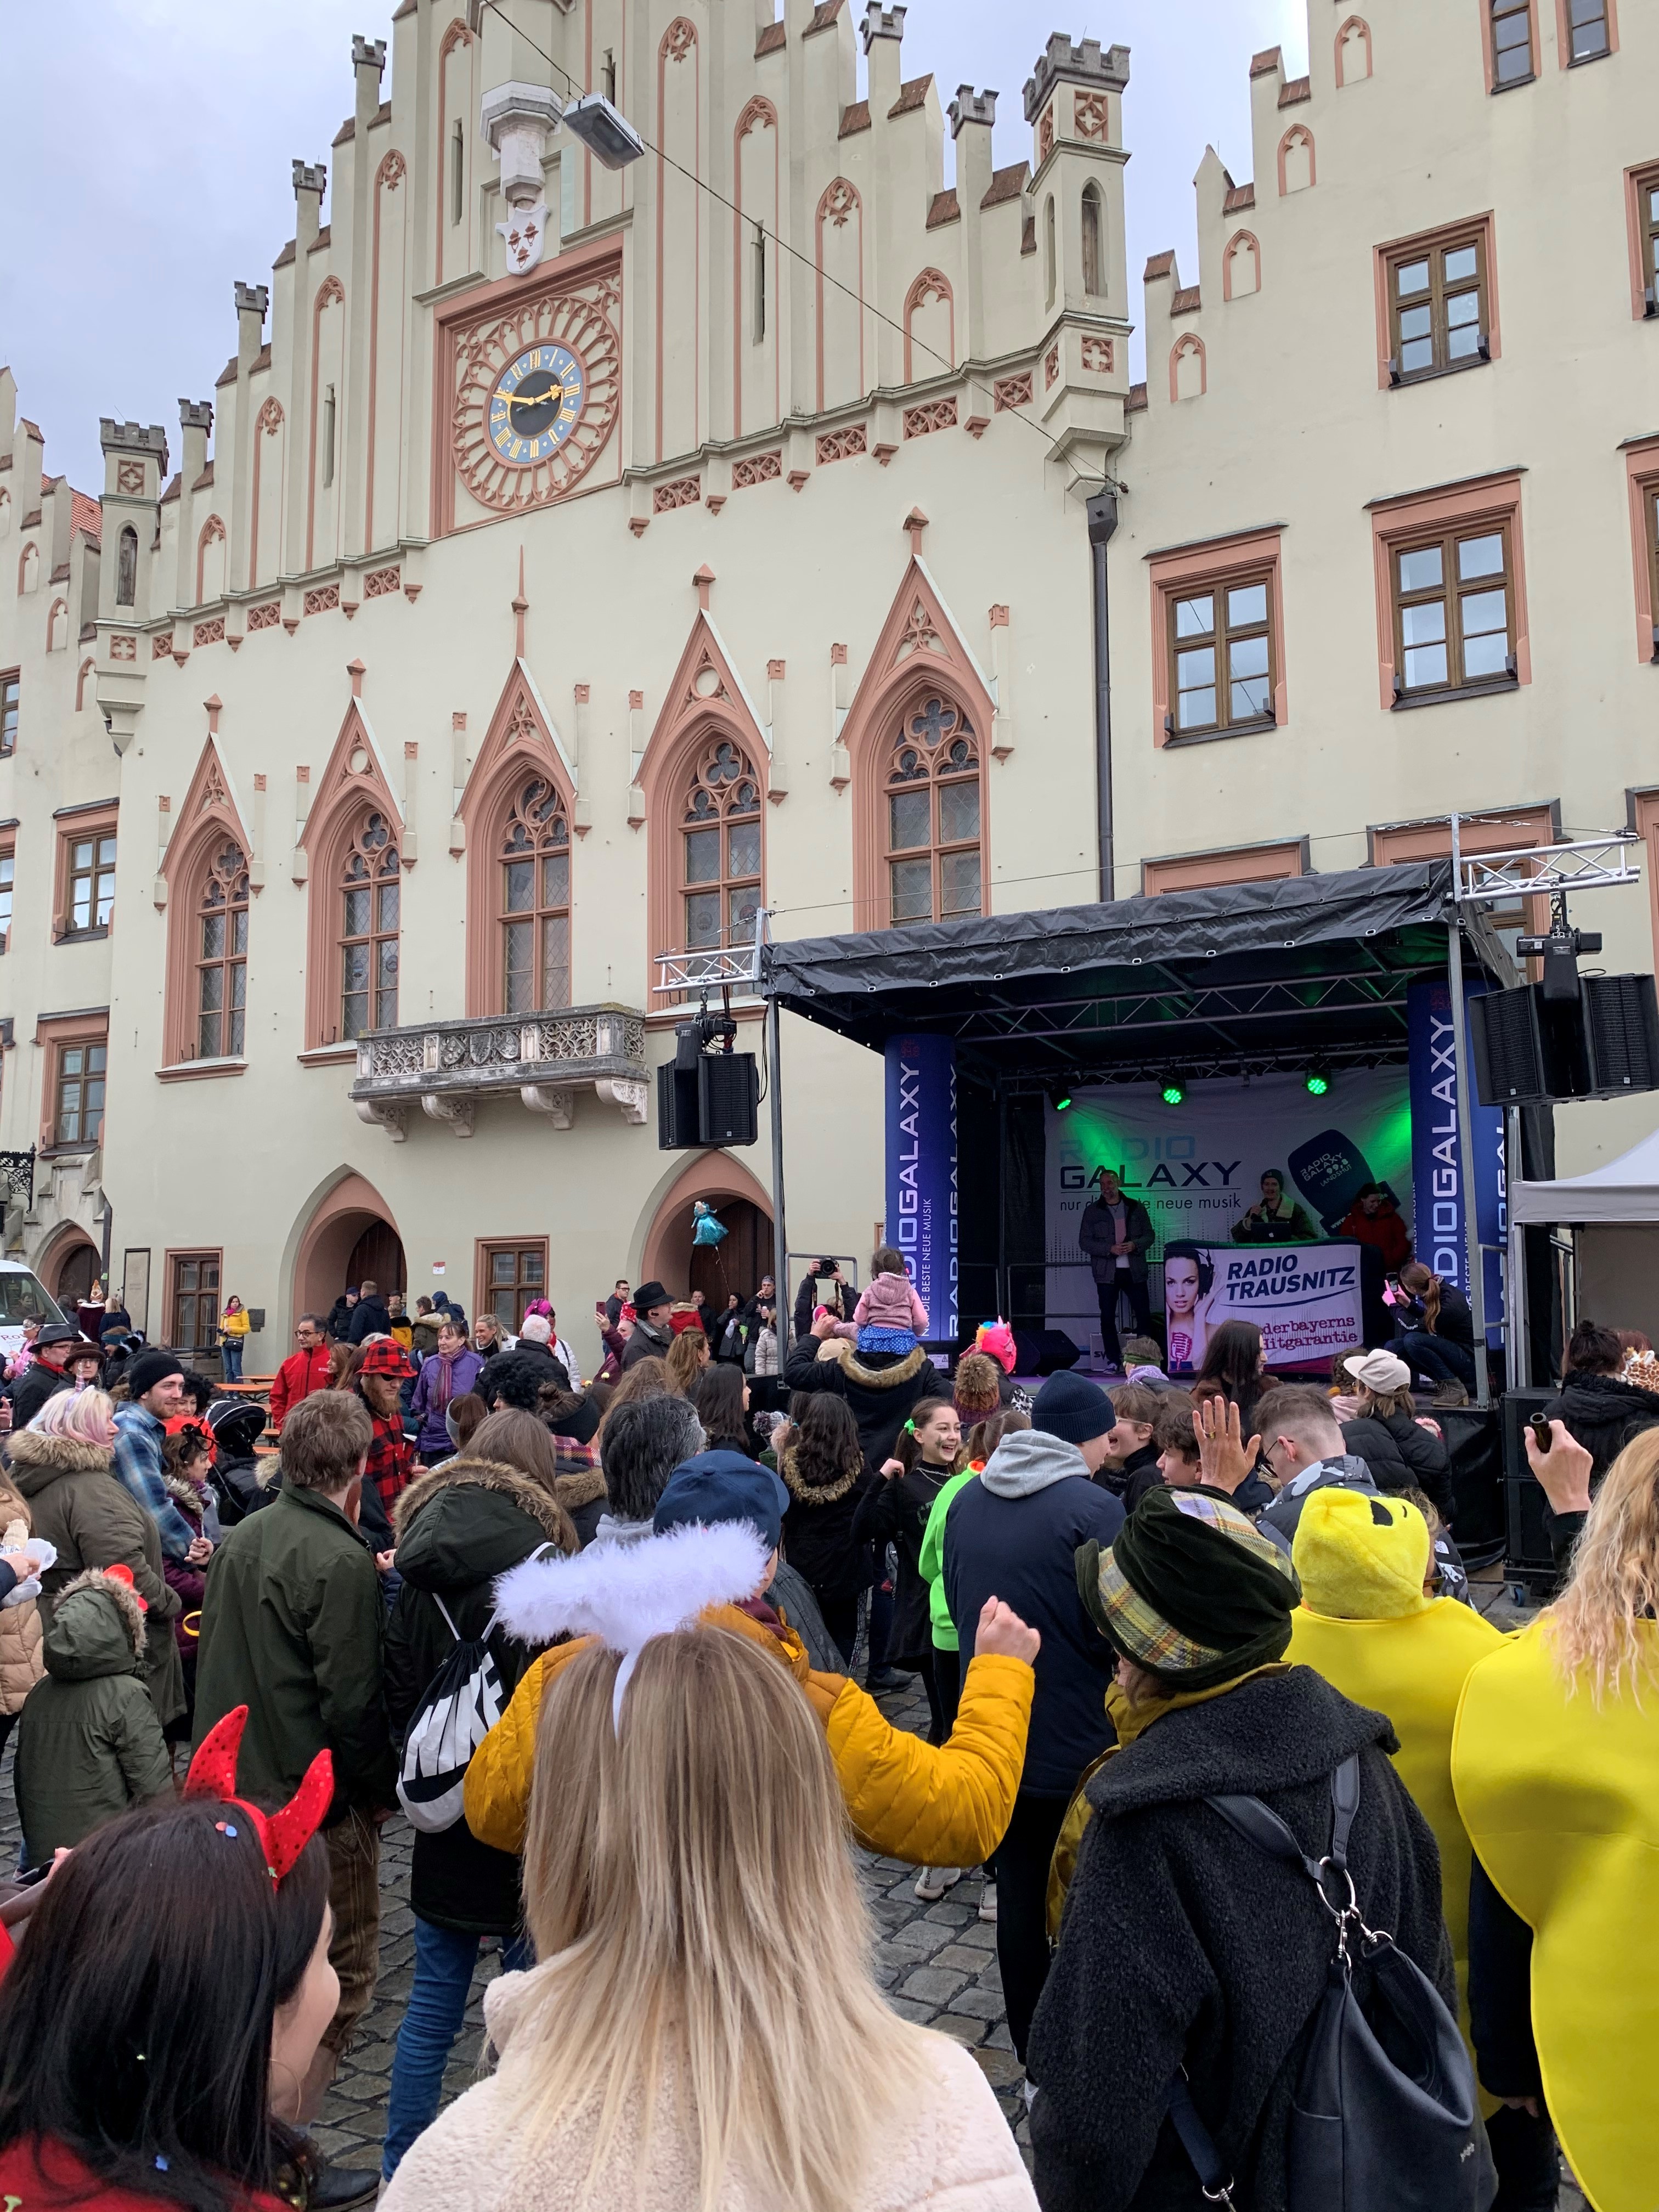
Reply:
x=1318, y=1082
x=1063, y=1104
x=1174, y=1092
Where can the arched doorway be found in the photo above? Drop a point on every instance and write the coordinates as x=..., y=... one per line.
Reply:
x=377, y=1257
x=741, y=1258
x=350, y=1235
x=78, y=1271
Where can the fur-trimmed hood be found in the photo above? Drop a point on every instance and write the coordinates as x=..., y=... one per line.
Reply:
x=582, y=1486
x=83, y=1640
x=463, y=1474
x=185, y=1494
x=839, y=1349
x=811, y=1493
x=35, y=1459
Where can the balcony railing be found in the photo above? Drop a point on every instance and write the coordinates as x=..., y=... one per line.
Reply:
x=442, y=1069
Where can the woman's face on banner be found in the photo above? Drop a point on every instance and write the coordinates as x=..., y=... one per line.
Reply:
x=1180, y=1286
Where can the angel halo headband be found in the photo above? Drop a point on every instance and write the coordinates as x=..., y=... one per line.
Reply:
x=624, y=1595
x=282, y=1836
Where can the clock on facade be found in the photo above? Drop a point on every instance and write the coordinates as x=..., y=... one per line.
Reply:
x=536, y=395
x=537, y=404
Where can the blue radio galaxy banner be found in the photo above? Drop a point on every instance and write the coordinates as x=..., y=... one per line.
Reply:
x=1442, y=1202
x=921, y=1171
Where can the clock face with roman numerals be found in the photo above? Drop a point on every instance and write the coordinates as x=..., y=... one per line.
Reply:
x=537, y=404
x=536, y=396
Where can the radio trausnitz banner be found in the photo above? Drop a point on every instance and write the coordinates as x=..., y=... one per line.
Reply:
x=1198, y=1169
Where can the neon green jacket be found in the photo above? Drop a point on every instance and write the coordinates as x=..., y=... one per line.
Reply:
x=931, y=1562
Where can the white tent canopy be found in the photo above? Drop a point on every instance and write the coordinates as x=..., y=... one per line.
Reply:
x=1625, y=1190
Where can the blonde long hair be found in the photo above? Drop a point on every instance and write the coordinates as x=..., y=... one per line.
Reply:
x=88, y=1416
x=1594, y=1627
x=692, y=1886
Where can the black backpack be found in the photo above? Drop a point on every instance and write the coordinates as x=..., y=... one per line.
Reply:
x=1384, y=2117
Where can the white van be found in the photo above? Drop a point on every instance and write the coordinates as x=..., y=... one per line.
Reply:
x=22, y=1298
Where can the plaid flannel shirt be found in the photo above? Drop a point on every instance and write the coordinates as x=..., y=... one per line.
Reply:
x=390, y=1459
x=138, y=1439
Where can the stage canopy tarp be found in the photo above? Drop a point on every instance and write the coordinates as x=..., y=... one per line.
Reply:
x=1232, y=980
x=1625, y=1190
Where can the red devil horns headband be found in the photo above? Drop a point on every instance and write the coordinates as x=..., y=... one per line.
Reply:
x=282, y=1835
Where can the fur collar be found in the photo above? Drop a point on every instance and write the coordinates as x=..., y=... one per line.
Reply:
x=462, y=1474
x=839, y=1349
x=183, y=1493
x=580, y=1488
x=813, y=1493
x=125, y=1600
x=31, y=1449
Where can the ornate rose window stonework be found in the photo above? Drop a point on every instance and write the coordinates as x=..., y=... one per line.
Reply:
x=557, y=356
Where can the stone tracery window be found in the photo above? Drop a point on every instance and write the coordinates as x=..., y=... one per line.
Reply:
x=933, y=813
x=535, y=901
x=370, y=887
x=720, y=848
x=221, y=956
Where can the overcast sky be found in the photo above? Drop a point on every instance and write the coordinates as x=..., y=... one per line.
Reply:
x=147, y=166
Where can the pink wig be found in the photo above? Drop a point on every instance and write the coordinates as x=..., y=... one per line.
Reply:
x=996, y=1338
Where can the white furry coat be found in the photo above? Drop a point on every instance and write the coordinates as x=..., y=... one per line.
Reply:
x=951, y=2152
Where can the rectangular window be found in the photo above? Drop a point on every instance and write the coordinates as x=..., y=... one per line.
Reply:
x=1650, y=521
x=90, y=888
x=10, y=690
x=1454, y=604
x=1439, y=315
x=1588, y=33
x=511, y=1275
x=1646, y=191
x=194, y=1304
x=82, y=1067
x=8, y=884
x=1512, y=43
x=1220, y=642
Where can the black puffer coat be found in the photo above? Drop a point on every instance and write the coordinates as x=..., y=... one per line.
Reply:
x=1183, y=1944
x=458, y=1529
x=1603, y=1413
x=1402, y=1456
x=880, y=1387
x=818, y=1530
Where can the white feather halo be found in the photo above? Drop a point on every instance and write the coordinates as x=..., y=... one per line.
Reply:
x=626, y=1594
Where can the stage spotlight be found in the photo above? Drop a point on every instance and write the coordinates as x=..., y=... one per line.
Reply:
x=1175, y=1091
x=1318, y=1081
x=1063, y=1102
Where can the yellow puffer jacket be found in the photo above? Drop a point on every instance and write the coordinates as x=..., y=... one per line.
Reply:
x=944, y=1806
x=1559, y=1802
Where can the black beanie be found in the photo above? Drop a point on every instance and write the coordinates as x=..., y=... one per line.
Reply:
x=1073, y=1408
x=148, y=1368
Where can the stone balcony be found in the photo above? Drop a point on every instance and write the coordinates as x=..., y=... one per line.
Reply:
x=443, y=1069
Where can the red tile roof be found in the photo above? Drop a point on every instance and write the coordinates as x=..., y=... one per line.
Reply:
x=855, y=118
x=772, y=40
x=1160, y=265
x=1294, y=90
x=1007, y=184
x=823, y=16
x=1136, y=402
x=86, y=515
x=944, y=207
x=1186, y=301
x=911, y=96
x=1239, y=198
x=1264, y=63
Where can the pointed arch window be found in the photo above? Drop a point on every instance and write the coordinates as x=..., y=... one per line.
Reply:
x=933, y=814
x=1094, y=256
x=126, y=568
x=370, y=888
x=535, y=901
x=720, y=848
x=221, y=956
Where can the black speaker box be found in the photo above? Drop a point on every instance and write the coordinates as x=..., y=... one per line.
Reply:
x=728, y=1092
x=677, y=1109
x=1621, y=1033
x=1509, y=1048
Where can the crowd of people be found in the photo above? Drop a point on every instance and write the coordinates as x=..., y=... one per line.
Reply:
x=618, y=1647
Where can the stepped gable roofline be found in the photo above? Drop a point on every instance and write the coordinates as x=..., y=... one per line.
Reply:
x=1160, y=265
x=289, y=252
x=175, y=482
x=1007, y=184
x=824, y=15
x=944, y=207
x=772, y=40
x=1294, y=90
x=1086, y=64
x=1185, y=301
x=227, y=376
x=1239, y=197
x=324, y=238
x=911, y=96
x=1264, y=62
x=86, y=515
x=854, y=119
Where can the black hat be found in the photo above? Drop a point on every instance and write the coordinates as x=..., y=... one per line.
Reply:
x=649, y=1295
x=56, y=1331
x=149, y=1368
x=1070, y=1406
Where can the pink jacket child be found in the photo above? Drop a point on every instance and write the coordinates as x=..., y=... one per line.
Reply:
x=889, y=1315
